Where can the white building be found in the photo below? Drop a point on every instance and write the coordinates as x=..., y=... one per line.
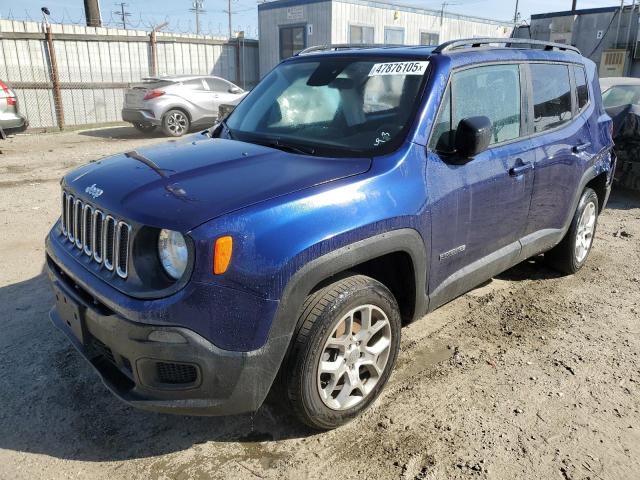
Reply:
x=288, y=26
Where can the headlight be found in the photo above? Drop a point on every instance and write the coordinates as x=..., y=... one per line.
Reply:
x=173, y=253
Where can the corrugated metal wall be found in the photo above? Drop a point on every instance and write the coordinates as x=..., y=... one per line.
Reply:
x=413, y=21
x=96, y=65
x=330, y=22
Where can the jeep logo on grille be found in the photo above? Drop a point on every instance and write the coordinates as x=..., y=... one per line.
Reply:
x=94, y=191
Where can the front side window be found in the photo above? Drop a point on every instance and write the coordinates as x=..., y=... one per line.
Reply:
x=292, y=40
x=621, y=95
x=360, y=34
x=551, y=95
x=344, y=106
x=393, y=36
x=492, y=91
x=582, y=90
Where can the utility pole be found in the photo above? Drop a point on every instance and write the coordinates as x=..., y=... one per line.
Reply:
x=123, y=14
x=619, y=18
x=198, y=8
x=515, y=14
x=573, y=5
x=230, y=27
x=92, y=13
x=228, y=12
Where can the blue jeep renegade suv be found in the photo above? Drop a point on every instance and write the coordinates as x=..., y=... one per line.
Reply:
x=352, y=191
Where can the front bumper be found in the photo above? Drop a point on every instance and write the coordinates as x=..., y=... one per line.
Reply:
x=143, y=117
x=193, y=377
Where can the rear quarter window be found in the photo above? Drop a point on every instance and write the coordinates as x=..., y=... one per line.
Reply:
x=582, y=90
x=551, y=95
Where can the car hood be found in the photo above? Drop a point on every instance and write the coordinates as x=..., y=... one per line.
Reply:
x=182, y=184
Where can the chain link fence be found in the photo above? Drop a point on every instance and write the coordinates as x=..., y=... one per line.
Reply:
x=68, y=75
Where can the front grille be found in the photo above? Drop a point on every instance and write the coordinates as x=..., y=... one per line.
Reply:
x=102, y=237
x=176, y=373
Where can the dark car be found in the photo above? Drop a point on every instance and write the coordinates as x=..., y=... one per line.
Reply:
x=353, y=191
x=10, y=120
x=621, y=100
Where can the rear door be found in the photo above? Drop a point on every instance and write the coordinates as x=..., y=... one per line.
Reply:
x=561, y=137
x=197, y=93
x=479, y=208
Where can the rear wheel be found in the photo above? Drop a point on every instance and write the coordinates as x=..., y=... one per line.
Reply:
x=175, y=123
x=343, y=352
x=571, y=253
x=144, y=128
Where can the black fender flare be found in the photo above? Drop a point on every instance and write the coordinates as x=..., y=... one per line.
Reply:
x=268, y=359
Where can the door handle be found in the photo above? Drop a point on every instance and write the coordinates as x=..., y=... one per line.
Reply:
x=581, y=147
x=520, y=169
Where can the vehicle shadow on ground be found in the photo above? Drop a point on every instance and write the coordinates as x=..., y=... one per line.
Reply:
x=54, y=403
x=623, y=199
x=121, y=133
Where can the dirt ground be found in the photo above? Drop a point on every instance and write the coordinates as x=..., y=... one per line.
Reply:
x=533, y=375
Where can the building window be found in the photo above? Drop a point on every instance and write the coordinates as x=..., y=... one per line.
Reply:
x=429, y=38
x=360, y=34
x=393, y=36
x=292, y=40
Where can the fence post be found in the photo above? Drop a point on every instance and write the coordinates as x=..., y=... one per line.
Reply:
x=239, y=72
x=152, y=41
x=55, y=79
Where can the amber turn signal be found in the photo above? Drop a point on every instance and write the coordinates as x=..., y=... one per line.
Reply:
x=222, y=254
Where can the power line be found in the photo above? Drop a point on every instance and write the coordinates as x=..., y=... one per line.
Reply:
x=123, y=14
x=198, y=8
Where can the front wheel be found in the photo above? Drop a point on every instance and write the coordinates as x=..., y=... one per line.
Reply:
x=175, y=123
x=571, y=253
x=343, y=352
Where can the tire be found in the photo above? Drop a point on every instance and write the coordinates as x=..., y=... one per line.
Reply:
x=175, y=123
x=572, y=252
x=144, y=128
x=361, y=362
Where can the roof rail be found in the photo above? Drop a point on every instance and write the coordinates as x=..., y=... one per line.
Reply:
x=508, y=43
x=344, y=46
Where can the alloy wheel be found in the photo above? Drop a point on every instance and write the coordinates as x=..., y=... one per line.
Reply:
x=354, y=357
x=584, y=234
x=177, y=123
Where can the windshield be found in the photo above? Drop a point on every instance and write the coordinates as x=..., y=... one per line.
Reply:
x=334, y=106
x=621, y=95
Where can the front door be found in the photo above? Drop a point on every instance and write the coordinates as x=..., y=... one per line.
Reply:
x=479, y=207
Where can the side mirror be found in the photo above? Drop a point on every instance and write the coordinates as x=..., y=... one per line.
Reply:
x=235, y=90
x=473, y=136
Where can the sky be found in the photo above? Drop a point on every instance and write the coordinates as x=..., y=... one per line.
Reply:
x=145, y=13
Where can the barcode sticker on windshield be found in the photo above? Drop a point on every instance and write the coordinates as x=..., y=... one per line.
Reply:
x=398, y=68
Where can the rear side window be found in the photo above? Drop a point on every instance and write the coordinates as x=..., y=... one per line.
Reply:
x=217, y=85
x=551, y=95
x=194, y=84
x=582, y=90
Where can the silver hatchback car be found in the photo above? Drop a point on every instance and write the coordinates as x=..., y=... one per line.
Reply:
x=10, y=120
x=177, y=103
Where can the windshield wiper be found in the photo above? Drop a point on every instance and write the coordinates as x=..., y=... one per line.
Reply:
x=288, y=147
